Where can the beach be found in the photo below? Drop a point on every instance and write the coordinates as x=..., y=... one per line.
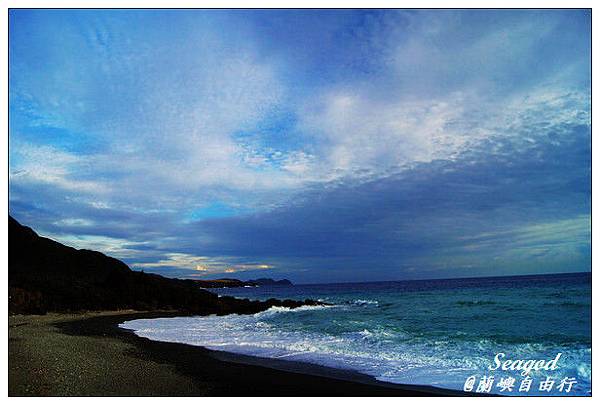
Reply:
x=87, y=354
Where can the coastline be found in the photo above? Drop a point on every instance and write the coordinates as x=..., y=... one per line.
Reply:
x=131, y=365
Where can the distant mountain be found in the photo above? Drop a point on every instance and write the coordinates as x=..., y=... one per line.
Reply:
x=224, y=282
x=44, y=275
x=270, y=281
x=232, y=282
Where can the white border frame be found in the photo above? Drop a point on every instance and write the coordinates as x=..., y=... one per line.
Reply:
x=257, y=4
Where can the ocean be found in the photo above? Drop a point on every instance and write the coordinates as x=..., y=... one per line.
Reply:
x=433, y=332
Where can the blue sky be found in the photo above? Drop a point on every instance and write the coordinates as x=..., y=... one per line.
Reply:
x=317, y=145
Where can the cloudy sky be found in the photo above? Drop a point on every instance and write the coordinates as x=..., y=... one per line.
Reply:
x=319, y=146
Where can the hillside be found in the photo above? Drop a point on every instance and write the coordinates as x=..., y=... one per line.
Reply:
x=44, y=275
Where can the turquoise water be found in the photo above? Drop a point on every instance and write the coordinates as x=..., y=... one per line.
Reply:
x=435, y=332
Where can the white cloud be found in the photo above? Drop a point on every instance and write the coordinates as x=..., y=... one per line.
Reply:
x=359, y=133
x=177, y=260
x=45, y=164
x=108, y=245
x=167, y=114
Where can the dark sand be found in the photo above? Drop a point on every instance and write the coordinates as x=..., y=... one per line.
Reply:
x=89, y=355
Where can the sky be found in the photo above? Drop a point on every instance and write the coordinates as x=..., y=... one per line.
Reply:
x=313, y=145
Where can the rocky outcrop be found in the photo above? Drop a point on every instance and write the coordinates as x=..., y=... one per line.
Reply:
x=232, y=283
x=224, y=282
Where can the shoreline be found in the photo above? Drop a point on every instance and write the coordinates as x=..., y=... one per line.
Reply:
x=181, y=369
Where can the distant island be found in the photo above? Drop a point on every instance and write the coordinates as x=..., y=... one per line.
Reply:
x=47, y=276
x=232, y=283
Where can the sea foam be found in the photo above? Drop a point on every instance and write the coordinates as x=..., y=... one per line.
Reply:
x=426, y=333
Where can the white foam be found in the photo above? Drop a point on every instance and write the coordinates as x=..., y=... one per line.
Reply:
x=255, y=335
x=365, y=302
x=276, y=310
x=393, y=356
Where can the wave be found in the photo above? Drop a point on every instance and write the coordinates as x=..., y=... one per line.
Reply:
x=363, y=302
x=276, y=310
x=387, y=354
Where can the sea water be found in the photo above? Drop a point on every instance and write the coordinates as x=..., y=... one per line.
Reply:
x=434, y=332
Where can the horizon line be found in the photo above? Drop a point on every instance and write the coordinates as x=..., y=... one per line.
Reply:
x=444, y=279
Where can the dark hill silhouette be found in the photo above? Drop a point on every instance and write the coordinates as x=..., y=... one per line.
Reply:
x=44, y=275
x=270, y=281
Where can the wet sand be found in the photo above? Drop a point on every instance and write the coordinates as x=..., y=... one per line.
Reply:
x=89, y=355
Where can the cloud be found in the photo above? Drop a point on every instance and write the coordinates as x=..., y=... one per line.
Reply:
x=180, y=264
x=177, y=260
x=511, y=187
x=195, y=142
x=168, y=125
x=35, y=164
